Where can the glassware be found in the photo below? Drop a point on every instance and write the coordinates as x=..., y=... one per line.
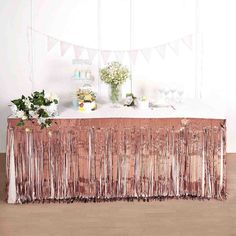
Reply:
x=75, y=102
x=115, y=95
x=161, y=93
x=173, y=97
x=167, y=92
x=180, y=93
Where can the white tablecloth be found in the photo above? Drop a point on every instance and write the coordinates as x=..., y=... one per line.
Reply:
x=188, y=109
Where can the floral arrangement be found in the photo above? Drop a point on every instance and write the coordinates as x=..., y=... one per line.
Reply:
x=115, y=75
x=130, y=100
x=39, y=106
x=86, y=96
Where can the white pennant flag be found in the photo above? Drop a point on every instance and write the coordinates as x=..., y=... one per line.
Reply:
x=64, y=47
x=119, y=55
x=188, y=41
x=51, y=42
x=105, y=55
x=91, y=53
x=174, y=45
x=78, y=51
x=161, y=49
x=133, y=55
x=147, y=52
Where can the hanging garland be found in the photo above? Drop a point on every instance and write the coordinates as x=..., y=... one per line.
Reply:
x=118, y=54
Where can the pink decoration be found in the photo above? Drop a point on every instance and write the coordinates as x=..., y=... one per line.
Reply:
x=105, y=55
x=116, y=158
x=92, y=53
x=51, y=42
x=64, y=47
x=147, y=52
x=78, y=51
x=119, y=55
x=133, y=56
x=188, y=41
x=174, y=45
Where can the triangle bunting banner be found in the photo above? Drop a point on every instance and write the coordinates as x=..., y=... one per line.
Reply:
x=133, y=56
x=147, y=53
x=161, y=49
x=51, y=42
x=91, y=53
x=64, y=47
x=174, y=45
x=78, y=51
x=188, y=41
x=105, y=55
x=119, y=54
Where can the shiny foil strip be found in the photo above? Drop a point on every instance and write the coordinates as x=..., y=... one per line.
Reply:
x=115, y=159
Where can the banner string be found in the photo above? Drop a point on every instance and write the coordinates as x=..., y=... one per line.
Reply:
x=133, y=53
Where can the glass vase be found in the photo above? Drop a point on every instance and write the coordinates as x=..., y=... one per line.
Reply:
x=115, y=94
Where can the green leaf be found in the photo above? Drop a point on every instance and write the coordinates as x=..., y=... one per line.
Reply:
x=47, y=102
x=20, y=123
x=37, y=99
x=42, y=113
x=48, y=122
x=16, y=102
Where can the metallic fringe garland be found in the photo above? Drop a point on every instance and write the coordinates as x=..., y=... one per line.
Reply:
x=116, y=159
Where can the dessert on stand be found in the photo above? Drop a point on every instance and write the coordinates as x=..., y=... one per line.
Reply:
x=84, y=97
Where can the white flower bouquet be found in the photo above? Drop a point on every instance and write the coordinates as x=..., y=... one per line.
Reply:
x=114, y=74
x=86, y=99
x=39, y=106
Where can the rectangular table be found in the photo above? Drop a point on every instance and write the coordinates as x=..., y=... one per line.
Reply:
x=112, y=158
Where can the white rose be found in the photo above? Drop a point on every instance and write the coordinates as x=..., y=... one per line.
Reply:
x=27, y=103
x=24, y=118
x=51, y=97
x=41, y=120
x=20, y=114
x=52, y=109
x=33, y=114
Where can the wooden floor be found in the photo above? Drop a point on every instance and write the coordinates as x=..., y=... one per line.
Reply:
x=172, y=217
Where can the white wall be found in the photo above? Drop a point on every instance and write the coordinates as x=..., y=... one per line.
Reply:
x=219, y=74
x=14, y=67
x=60, y=18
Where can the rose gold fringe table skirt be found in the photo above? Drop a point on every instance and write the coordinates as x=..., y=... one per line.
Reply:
x=116, y=158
